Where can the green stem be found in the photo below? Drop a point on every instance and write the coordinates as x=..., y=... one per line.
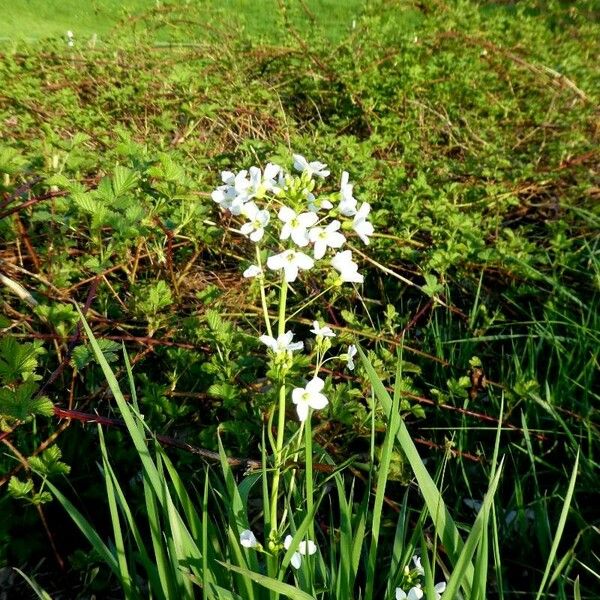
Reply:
x=263, y=296
x=310, y=301
x=309, y=472
x=281, y=416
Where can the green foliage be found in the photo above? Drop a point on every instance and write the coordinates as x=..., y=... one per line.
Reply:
x=471, y=130
x=19, y=400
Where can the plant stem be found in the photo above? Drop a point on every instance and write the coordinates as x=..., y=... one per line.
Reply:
x=281, y=416
x=263, y=297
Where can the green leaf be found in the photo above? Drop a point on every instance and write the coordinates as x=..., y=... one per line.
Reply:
x=274, y=585
x=123, y=180
x=49, y=463
x=19, y=489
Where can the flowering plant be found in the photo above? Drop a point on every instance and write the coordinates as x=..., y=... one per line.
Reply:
x=296, y=229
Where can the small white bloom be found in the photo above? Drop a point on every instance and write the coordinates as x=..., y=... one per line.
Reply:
x=258, y=220
x=326, y=237
x=351, y=354
x=290, y=261
x=347, y=268
x=322, y=331
x=296, y=225
x=312, y=168
x=70, y=40
x=282, y=343
x=252, y=271
x=360, y=224
x=415, y=593
x=315, y=205
x=439, y=589
x=248, y=539
x=304, y=548
x=271, y=173
x=309, y=397
x=417, y=562
x=224, y=195
x=347, y=206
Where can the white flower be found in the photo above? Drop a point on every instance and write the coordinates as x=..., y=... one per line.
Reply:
x=328, y=237
x=283, y=343
x=322, y=331
x=260, y=183
x=439, y=589
x=304, y=548
x=296, y=225
x=347, y=206
x=360, y=224
x=415, y=593
x=271, y=172
x=315, y=205
x=248, y=539
x=233, y=194
x=347, y=268
x=224, y=195
x=290, y=261
x=312, y=168
x=417, y=562
x=350, y=356
x=258, y=220
x=309, y=397
x=252, y=271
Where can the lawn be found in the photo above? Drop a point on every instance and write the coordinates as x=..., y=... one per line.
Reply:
x=169, y=442
x=38, y=19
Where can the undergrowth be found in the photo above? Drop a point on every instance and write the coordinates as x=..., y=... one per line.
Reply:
x=472, y=131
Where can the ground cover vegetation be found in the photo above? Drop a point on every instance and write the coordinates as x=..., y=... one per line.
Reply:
x=139, y=274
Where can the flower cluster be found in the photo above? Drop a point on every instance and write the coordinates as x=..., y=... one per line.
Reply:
x=309, y=227
x=305, y=547
x=310, y=396
x=415, y=590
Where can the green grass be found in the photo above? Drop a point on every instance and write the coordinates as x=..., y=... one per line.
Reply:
x=38, y=19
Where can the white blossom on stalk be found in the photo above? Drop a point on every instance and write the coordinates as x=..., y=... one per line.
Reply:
x=418, y=567
x=270, y=174
x=348, y=202
x=252, y=271
x=70, y=40
x=350, y=356
x=360, y=224
x=347, y=268
x=315, y=205
x=234, y=193
x=322, y=331
x=309, y=397
x=326, y=237
x=290, y=261
x=296, y=225
x=282, y=343
x=248, y=539
x=439, y=589
x=312, y=168
x=224, y=195
x=262, y=182
x=415, y=593
x=304, y=548
x=258, y=220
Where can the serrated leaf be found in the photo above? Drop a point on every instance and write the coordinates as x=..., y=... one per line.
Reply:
x=19, y=489
x=86, y=203
x=123, y=180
